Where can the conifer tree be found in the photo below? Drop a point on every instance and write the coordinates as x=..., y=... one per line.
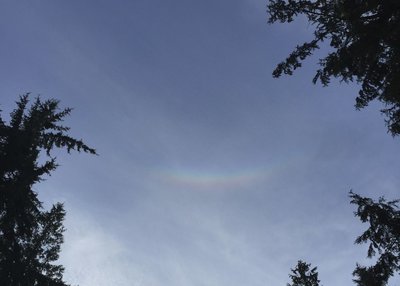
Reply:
x=383, y=237
x=364, y=41
x=30, y=236
x=304, y=275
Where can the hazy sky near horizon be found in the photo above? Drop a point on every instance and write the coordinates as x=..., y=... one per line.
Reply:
x=210, y=172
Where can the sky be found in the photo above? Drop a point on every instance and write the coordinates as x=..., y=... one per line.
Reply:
x=210, y=172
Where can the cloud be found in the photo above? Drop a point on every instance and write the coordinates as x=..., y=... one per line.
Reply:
x=94, y=256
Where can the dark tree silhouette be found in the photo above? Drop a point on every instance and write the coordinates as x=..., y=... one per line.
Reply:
x=383, y=236
x=30, y=237
x=364, y=36
x=303, y=275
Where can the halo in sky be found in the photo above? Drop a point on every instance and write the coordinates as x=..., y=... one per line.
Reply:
x=199, y=178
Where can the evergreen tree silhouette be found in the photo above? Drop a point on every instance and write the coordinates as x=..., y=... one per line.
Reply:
x=30, y=236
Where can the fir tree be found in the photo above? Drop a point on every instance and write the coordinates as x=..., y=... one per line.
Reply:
x=30, y=236
x=364, y=40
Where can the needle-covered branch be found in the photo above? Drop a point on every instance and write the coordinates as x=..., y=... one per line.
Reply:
x=365, y=39
x=30, y=237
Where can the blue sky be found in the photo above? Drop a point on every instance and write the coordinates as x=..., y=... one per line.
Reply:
x=210, y=171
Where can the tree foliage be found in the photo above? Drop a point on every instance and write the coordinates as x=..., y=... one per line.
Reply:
x=304, y=275
x=364, y=36
x=30, y=237
x=383, y=237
